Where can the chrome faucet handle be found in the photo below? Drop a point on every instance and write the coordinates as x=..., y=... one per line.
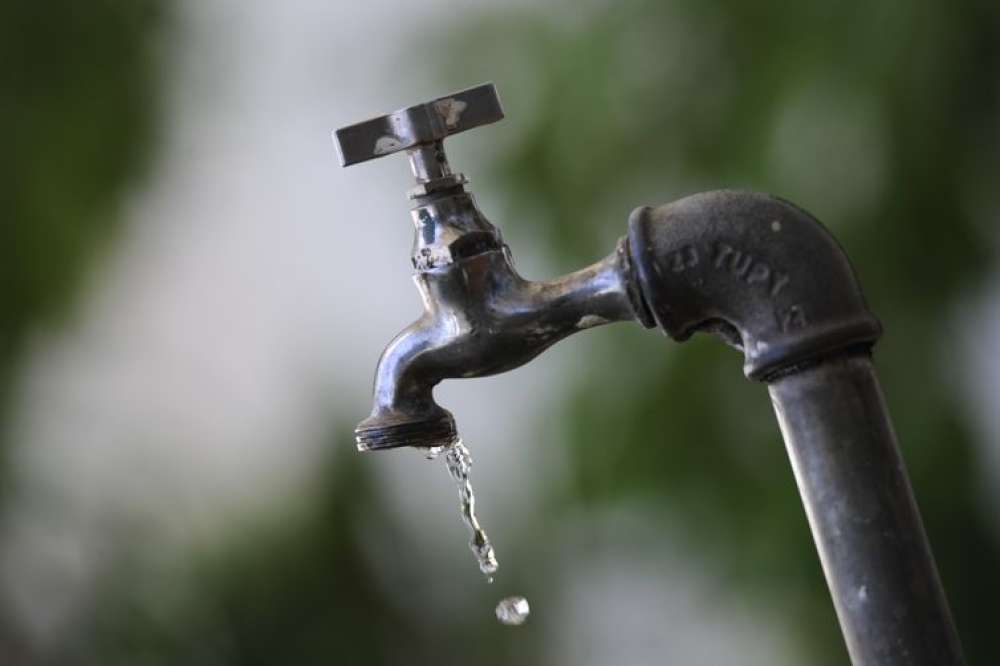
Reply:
x=420, y=130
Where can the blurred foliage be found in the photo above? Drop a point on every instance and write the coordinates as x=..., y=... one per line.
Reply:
x=300, y=587
x=879, y=118
x=79, y=86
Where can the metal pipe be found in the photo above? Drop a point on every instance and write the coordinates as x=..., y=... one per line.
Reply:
x=768, y=278
x=863, y=515
x=759, y=272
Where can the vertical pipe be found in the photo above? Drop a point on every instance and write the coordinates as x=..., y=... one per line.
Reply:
x=864, y=520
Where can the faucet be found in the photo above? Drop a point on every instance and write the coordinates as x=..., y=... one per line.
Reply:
x=480, y=316
x=755, y=270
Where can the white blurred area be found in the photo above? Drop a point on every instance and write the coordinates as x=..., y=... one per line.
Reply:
x=241, y=316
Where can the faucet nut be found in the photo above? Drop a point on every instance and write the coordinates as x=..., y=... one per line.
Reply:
x=427, y=188
x=381, y=432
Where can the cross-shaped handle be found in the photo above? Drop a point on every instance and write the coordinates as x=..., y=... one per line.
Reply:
x=423, y=124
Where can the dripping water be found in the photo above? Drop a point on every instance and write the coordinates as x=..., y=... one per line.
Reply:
x=459, y=462
x=511, y=610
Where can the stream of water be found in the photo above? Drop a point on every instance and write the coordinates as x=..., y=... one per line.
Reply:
x=511, y=610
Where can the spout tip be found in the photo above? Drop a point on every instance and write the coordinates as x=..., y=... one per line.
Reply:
x=374, y=434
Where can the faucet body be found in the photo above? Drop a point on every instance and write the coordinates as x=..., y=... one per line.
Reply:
x=759, y=272
x=480, y=318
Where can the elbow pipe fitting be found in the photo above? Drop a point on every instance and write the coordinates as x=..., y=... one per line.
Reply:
x=758, y=271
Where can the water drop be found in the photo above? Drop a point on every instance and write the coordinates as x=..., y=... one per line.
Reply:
x=459, y=462
x=513, y=611
x=433, y=452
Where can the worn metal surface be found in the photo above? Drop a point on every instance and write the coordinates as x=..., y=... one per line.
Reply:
x=863, y=516
x=480, y=318
x=757, y=270
x=754, y=269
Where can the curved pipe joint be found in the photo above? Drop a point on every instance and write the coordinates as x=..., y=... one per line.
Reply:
x=755, y=269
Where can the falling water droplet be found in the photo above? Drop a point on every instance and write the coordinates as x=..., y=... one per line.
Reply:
x=513, y=610
x=459, y=462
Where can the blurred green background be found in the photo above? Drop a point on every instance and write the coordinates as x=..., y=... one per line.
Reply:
x=882, y=119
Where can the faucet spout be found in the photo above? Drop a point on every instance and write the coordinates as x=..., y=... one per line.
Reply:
x=481, y=318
